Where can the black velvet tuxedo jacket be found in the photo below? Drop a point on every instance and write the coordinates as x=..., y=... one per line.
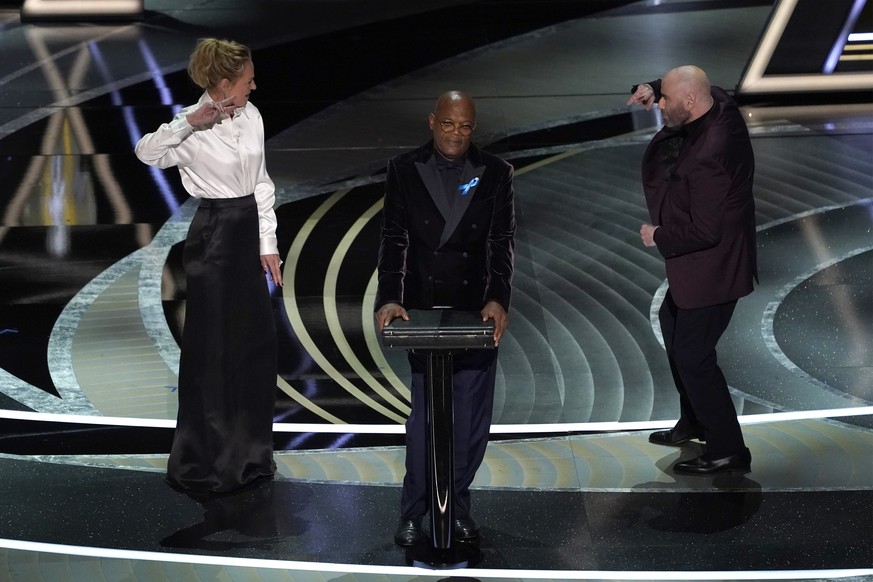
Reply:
x=434, y=254
x=704, y=207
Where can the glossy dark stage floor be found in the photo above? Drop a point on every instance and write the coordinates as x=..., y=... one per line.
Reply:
x=92, y=296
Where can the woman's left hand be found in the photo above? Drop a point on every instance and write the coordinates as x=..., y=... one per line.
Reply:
x=273, y=268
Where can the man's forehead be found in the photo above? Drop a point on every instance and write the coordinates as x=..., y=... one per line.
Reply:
x=668, y=85
x=456, y=108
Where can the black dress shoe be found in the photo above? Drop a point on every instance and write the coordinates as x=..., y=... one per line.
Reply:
x=705, y=466
x=673, y=437
x=408, y=532
x=466, y=529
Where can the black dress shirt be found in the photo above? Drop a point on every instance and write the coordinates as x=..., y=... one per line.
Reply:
x=450, y=172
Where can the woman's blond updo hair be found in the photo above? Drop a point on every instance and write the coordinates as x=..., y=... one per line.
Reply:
x=215, y=59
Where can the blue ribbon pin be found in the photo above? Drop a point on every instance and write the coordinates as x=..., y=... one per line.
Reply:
x=464, y=189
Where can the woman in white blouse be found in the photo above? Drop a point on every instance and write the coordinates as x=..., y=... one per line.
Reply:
x=228, y=366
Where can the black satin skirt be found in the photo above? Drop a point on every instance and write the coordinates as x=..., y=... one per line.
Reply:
x=227, y=371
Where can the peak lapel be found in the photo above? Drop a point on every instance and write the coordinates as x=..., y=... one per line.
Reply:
x=470, y=179
x=431, y=178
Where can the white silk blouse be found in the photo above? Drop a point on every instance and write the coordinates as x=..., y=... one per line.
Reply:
x=224, y=160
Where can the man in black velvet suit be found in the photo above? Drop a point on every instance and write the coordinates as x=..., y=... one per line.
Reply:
x=448, y=231
x=697, y=176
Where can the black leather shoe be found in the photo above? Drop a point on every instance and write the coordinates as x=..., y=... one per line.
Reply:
x=466, y=529
x=408, y=532
x=704, y=466
x=673, y=437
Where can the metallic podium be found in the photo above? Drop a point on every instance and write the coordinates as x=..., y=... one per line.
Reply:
x=439, y=333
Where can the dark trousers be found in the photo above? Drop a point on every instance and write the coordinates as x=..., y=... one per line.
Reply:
x=473, y=378
x=227, y=370
x=690, y=338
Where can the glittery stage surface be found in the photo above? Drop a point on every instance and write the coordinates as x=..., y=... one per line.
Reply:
x=92, y=297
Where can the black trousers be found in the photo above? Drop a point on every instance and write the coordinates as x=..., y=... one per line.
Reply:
x=228, y=366
x=473, y=377
x=690, y=338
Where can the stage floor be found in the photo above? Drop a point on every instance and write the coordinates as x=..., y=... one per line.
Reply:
x=92, y=298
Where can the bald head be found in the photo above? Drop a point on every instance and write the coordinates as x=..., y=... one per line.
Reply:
x=692, y=79
x=451, y=99
x=686, y=95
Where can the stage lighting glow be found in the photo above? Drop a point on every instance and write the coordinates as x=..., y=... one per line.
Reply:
x=80, y=9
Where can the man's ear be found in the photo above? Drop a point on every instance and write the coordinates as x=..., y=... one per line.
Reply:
x=689, y=102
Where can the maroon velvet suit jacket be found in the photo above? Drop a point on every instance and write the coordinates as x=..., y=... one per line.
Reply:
x=436, y=255
x=705, y=209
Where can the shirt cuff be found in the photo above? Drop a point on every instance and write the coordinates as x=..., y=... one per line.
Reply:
x=269, y=245
x=181, y=125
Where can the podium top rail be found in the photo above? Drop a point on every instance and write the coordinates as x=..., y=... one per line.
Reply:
x=439, y=329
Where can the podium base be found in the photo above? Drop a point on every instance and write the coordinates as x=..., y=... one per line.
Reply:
x=461, y=555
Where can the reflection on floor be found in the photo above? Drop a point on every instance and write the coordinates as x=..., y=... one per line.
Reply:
x=92, y=298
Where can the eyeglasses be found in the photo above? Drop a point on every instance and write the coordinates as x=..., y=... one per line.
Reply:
x=449, y=126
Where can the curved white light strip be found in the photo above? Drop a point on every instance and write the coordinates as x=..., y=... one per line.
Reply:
x=289, y=298
x=332, y=314
x=774, y=304
x=654, y=317
x=303, y=401
x=368, y=324
x=473, y=573
x=515, y=429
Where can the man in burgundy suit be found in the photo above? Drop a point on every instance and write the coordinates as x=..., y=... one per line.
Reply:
x=697, y=177
x=448, y=231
